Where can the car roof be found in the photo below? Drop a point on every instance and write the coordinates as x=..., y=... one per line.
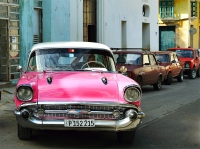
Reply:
x=164, y=52
x=181, y=49
x=132, y=51
x=70, y=44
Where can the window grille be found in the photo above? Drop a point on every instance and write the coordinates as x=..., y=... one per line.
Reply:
x=193, y=9
x=167, y=9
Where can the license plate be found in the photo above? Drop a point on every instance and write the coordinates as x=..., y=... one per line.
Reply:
x=79, y=123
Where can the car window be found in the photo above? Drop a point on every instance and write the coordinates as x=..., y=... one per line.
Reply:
x=130, y=58
x=146, y=60
x=175, y=57
x=120, y=58
x=185, y=53
x=152, y=60
x=162, y=57
x=71, y=59
x=32, y=63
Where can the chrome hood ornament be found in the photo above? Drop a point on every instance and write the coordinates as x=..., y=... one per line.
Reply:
x=104, y=80
x=49, y=80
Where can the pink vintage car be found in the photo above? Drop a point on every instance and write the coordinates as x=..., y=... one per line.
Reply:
x=74, y=86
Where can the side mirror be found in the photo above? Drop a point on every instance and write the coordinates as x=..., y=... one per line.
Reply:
x=123, y=69
x=158, y=61
x=19, y=68
x=173, y=61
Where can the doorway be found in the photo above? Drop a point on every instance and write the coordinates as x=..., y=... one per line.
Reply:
x=89, y=21
x=9, y=41
x=166, y=37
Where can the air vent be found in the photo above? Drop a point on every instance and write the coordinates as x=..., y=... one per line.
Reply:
x=35, y=39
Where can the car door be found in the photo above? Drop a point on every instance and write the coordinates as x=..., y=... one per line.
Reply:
x=178, y=65
x=196, y=59
x=155, y=70
x=147, y=70
x=173, y=65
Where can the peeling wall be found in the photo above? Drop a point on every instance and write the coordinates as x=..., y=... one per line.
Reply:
x=26, y=30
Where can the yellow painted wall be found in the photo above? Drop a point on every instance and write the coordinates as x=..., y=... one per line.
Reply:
x=183, y=22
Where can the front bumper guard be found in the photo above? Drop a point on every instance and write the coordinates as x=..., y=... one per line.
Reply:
x=125, y=124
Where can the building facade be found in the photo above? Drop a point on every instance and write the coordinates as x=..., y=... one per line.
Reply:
x=116, y=23
x=179, y=23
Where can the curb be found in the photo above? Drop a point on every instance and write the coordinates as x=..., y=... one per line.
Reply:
x=6, y=85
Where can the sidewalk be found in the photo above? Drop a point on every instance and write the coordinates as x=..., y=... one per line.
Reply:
x=7, y=98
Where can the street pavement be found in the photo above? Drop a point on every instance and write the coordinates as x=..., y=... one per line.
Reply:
x=172, y=121
x=7, y=100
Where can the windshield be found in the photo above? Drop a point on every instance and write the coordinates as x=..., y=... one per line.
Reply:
x=185, y=53
x=162, y=57
x=71, y=59
x=135, y=59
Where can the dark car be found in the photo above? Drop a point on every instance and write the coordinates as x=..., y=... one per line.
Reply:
x=190, y=58
x=141, y=66
x=174, y=67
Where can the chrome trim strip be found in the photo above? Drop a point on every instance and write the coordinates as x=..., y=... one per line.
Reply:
x=80, y=103
x=92, y=103
x=26, y=105
x=68, y=112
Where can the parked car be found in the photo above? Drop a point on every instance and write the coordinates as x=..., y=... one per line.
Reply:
x=61, y=90
x=190, y=58
x=174, y=67
x=141, y=66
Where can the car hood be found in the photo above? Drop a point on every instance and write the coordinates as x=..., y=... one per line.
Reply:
x=77, y=86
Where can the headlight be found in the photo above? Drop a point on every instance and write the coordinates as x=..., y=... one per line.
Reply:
x=24, y=93
x=132, y=94
x=187, y=65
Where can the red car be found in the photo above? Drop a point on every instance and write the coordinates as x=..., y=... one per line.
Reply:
x=141, y=66
x=174, y=67
x=190, y=58
x=74, y=86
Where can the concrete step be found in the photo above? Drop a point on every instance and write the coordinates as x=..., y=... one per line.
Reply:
x=6, y=84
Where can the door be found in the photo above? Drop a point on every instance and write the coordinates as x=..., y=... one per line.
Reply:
x=9, y=40
x=166, y=37
x=3, y=50
x=155, y=70
x=89, y=21
x=147, y=78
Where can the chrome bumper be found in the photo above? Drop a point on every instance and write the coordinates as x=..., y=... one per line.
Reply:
x=106, y=125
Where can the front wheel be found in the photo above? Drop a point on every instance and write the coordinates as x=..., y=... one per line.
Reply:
x=126, y=136
x=139, y=81
x=192, y=73
x=24, y=133
x=180, y=76
x=158, y=84
x=198, y=72
x=168, y=80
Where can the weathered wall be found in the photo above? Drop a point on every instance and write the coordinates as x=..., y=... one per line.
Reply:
x=183, y=22
x=56, y=20
x=26, y=30
x=109, y=30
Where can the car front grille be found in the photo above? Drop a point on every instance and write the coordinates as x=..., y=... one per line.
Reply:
x=98, y=112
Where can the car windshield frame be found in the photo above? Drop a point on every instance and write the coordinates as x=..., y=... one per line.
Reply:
x=68, y=59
